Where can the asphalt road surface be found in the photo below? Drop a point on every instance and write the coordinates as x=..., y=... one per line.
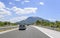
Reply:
x=30, y=32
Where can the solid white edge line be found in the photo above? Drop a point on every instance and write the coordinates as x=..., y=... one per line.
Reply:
x=42, y=31
x=8, y=31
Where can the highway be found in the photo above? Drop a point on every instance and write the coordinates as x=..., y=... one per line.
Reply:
x=30, y=32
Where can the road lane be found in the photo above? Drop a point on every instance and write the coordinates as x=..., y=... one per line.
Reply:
x=30, y=32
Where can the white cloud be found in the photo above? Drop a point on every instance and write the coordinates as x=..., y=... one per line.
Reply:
x=10, y=3
x=8, y=8
x=52, y=19
x=30, y=10
x=17, y=0
x=16, y=19
x=1, y=16
x=24, y=11
x=2, y=5
x=41, y=3
x=26, y=1
x=4, y=12
x=3, y=20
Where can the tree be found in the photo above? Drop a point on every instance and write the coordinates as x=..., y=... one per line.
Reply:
x=58, y=24
x=52, y=24
x=45, y=23
x=2, y=23
x=38, y=22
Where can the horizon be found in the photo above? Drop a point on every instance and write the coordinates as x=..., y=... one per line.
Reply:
x=30, y=17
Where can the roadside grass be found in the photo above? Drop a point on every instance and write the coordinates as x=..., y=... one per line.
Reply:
x=58, y=29
x=48, y=27
x=1, y=30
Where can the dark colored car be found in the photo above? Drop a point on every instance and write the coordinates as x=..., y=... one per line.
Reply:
x=22, y=27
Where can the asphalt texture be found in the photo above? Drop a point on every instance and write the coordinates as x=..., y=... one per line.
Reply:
x=30, y=32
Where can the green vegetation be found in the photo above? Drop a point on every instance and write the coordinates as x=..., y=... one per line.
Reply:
x=38, y=22
x=7, y=24
x=55, y=24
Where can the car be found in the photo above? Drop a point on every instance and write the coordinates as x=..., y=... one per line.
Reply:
x=27, y=24
x=22, y=27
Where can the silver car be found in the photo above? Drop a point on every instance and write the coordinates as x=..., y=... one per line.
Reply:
x=22, y=27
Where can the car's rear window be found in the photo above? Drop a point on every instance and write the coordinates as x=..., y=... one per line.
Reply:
x=22, y=26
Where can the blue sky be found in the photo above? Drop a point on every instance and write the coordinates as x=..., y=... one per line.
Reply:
x=17, y=10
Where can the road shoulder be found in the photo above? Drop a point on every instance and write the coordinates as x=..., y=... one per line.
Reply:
x=8, y=31
x=50, y=33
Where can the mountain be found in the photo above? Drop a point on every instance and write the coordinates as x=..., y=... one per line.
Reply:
x=31, y=20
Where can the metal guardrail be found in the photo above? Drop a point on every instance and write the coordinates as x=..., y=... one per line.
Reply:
x=5, y=28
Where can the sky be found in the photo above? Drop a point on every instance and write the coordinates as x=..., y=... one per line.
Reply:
x=17, y=10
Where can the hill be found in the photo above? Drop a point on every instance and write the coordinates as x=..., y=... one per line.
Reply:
x=31, y=20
